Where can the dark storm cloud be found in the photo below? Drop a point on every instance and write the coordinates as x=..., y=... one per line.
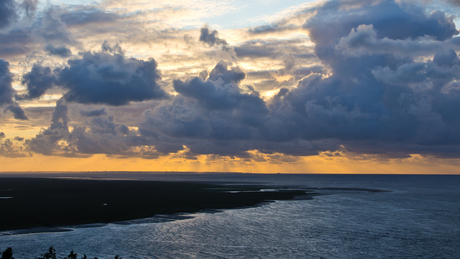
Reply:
x=7, y=12
x=207, y=115
x=61, y=51
x=38, y=80
x=207, y=93
x=105, y=77
x=87, y=16
x=17, y=138
x=93, y=113
x=220, y=91
x=211, y=37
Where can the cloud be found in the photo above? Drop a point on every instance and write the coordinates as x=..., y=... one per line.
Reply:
x=376, y=94
x=105, y=77
x=363, y=41
x=60, y=51
x=93, y=113
x=18, y=112
x=104, y=136
x=210, y=37
x=30, y=7
x=38, y=81
x=87, y=16
x=272, y=28
x=53, y=29
x=7, y=92
x=8, y=149
x=47, y=141
x=335, y=19
x=101, y=136
x=377, y=99
x=291, y=22
x=381, y=79
x=212, y=109
x=6, y=78
x=274, y=48
x=7, y=12
x=214, y=116
x=15, y=42
x=2, y=135
x=31, y=31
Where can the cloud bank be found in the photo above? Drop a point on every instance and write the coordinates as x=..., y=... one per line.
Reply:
x=379, y=77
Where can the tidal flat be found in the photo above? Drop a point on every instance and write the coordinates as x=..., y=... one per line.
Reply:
x=50, y=203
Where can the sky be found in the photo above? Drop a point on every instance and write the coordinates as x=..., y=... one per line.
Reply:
x=264, y=86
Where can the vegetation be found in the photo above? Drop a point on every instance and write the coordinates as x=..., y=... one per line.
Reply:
x=51, y=254
x=8, y=253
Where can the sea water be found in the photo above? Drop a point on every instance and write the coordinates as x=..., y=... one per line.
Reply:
x=416, y=217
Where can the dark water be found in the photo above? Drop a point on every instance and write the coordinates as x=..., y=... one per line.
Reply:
x=418, y=218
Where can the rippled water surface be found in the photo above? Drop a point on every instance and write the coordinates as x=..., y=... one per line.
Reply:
x=418, y=218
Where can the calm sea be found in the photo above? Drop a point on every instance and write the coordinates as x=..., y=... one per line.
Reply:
x=418, y=218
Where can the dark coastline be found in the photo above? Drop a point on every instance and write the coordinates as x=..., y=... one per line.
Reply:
x=42, y=202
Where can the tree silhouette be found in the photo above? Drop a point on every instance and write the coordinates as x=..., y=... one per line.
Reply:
x=8, y=253
x=72, y=255
x=51, y=254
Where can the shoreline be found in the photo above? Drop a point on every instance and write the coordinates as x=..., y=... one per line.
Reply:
x=55, y=203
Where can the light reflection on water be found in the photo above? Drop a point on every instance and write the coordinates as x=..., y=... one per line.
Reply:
x=419, y=218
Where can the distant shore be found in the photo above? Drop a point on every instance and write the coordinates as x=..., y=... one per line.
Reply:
x=42, y=202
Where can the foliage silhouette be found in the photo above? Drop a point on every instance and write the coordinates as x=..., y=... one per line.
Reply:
x=8, y=253
x=72, y=255
x=51, y=254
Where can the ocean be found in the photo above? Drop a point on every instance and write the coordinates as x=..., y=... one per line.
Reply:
x=355, y=216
